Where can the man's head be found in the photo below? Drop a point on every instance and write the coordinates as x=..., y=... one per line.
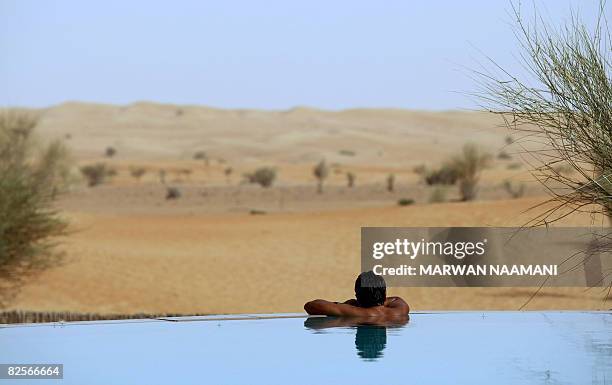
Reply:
x=370, y=289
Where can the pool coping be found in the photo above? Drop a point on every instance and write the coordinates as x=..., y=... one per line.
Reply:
x=265, y=316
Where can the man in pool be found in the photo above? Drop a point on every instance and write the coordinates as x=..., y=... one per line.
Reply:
x=370, y=301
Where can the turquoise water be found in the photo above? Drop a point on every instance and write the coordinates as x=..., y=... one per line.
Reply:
x=431, y=348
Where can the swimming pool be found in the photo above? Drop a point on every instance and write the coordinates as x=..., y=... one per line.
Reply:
x=432, y=348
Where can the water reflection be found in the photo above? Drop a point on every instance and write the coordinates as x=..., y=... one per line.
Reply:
x=370, y=335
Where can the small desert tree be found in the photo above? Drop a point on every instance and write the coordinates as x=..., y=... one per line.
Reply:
x=321, y=172
x=564, y=106
x=30, y=180
x=390, y=182
x=468, y=166
x=350, y=179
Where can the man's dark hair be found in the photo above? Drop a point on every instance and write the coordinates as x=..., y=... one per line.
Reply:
x=370, y=289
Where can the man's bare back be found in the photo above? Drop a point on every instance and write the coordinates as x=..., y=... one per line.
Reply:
x=371, y=301
x=393, y=307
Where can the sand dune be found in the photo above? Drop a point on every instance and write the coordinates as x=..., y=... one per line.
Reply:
x=133, y=251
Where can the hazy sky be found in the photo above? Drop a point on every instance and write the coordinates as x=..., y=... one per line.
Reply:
x=256, y=54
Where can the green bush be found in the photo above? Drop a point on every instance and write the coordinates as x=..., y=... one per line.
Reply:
x=30, y=180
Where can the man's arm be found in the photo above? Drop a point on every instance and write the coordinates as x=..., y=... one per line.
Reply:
x=397, y=305
x=323, y=307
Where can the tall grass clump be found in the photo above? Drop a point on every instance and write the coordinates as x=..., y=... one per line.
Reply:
x=563, y=108
x=31, y=178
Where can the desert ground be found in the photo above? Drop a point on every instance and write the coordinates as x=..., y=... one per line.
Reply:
x=228, y=247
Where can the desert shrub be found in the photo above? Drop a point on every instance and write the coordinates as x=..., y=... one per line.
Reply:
x=514, y=166
x=420, y=169
x=173, y=193
x=137, y=172
x=445, y=175
x=110, y=152
x=390, y=182
x=346, y=152
x=468, y=165
x=563, y=168
x=97, y=173
x=405, y=202
x=350, y=179
x=508, y=139
x=503, y=155
x=30, y=180
x=563, y=106
x=200, y=155
x=514, y=191
x=263, y=176
x=438, y=195
x=321, y=172
x=257, y=212
x=228, y=173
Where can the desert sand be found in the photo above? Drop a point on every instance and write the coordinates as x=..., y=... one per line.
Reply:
x=131, y=250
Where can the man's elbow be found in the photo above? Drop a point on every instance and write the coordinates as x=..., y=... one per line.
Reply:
x=314, y=307
x=310, y=307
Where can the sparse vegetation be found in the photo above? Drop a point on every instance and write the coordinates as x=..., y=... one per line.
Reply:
x=405, y=202
x=137, y=172
x=172, y=193
x=445, y=175
x=438, y=195
x=420, y=169
x=200, y=155
x=503, y=155
x=263, y=176
x=468, y=166
x=514, y=191
x=228, y=173
x=508, y=139
x=110, y=152
x=97, y=173
x=390, y=182
x=514, y=166
x=350, y=179
x=30, y=180
x=321, y=172
x=346, y=152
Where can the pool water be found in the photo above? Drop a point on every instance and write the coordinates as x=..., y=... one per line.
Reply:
x=431, y=348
